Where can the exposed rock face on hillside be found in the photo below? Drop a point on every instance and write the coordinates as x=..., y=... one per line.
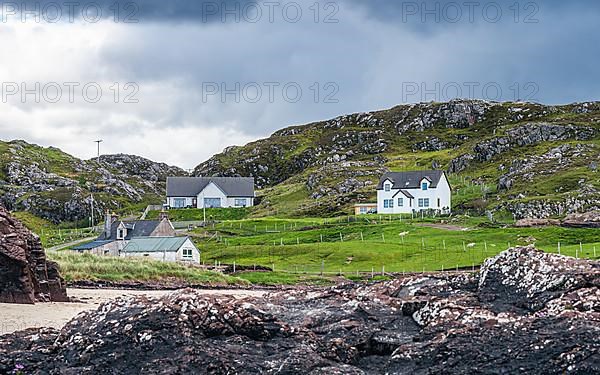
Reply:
x=526, y=150
x=526, y=312
x=25, y=274
x=58, y=187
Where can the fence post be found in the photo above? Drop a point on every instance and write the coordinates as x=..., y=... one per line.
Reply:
x=383, y=237
x=361, y=237
x=233, y=266
x=341, y=237
x=559, y=248
x=322, y=267
x=382, y=270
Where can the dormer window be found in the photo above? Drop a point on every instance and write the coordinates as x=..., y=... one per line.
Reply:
x=424, y=185
x=121, y=233
x=387, y=187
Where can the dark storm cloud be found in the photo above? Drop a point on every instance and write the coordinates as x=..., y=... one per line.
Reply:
x=131, y=11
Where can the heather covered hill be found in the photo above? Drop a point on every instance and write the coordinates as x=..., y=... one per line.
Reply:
x=56, y=186
x=525, y=158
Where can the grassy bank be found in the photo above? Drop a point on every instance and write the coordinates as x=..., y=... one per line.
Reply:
x=193, y=214
x=75, y=267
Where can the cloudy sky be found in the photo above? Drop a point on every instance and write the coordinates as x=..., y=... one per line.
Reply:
x=178, y=81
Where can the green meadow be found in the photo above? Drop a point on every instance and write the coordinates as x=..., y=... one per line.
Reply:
x=379, y=243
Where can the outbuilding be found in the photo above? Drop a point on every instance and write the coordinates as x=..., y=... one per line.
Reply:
x=166, y=249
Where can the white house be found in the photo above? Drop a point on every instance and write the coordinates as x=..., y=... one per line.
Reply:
x=406, y=192
x=166, y=249
x=210, y=192
x=118, y=233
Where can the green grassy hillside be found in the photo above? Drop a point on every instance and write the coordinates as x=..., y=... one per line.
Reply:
x=521, y=158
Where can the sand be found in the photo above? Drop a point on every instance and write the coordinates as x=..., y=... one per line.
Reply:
x=18, y=317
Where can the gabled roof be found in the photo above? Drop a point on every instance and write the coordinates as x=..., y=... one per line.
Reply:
x=155, y=244
x=139, y=228
x=405, y=193
x=192, y=186
x=410, y=180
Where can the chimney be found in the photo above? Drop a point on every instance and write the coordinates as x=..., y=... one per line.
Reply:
x=163, y=215
x=114, y=217
x=107, y=224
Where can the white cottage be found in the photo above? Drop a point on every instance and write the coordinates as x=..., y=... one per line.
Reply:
x=166, y=249
x=210, y=192
x=406, y=192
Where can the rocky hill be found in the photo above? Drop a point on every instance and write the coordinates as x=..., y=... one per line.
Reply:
x=58, y=187
x=520, y=158
x=525, y=312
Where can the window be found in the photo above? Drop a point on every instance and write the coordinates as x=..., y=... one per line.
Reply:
x=240, y=202
x=363, y=210
x=387, y=187
x=388, y=203
x=424, y=186
x=121, y=233
x=188, y=254
x=423, y=202
x=212, y=202
x=179, y=202
x=400, y=202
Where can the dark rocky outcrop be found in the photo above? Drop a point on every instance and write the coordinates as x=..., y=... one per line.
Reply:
x=26, y=276
x=526, y=312
x=57, y=186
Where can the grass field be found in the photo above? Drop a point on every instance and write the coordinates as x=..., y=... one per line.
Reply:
x=376, y=243
x=78, y=267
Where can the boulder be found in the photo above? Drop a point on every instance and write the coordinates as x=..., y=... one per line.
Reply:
x=584, y=220
x=26, y=276
x=529, y=223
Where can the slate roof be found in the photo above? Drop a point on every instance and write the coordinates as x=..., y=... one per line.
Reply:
x=410, y=180
x=90, y=245
x=155, y=244
x=192, y=186
x=140, y=228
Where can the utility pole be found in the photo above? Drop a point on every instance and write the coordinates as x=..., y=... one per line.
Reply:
x=98, y=142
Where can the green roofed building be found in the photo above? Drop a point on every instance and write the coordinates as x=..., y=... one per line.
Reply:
x=167, y=249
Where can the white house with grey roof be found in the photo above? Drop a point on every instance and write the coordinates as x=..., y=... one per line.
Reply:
x=406, y=192
x=210, y=192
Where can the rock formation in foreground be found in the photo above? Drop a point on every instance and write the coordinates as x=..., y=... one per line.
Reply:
x=26, y=276
x=525, y=312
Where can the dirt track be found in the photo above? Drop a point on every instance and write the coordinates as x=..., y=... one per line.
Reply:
x=18, y=317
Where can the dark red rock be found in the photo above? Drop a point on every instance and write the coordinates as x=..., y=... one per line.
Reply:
x=26, y=276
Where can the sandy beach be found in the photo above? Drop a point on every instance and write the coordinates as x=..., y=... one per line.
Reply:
x=18, y=317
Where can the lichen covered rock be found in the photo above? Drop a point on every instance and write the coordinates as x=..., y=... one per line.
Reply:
x=526, y=312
